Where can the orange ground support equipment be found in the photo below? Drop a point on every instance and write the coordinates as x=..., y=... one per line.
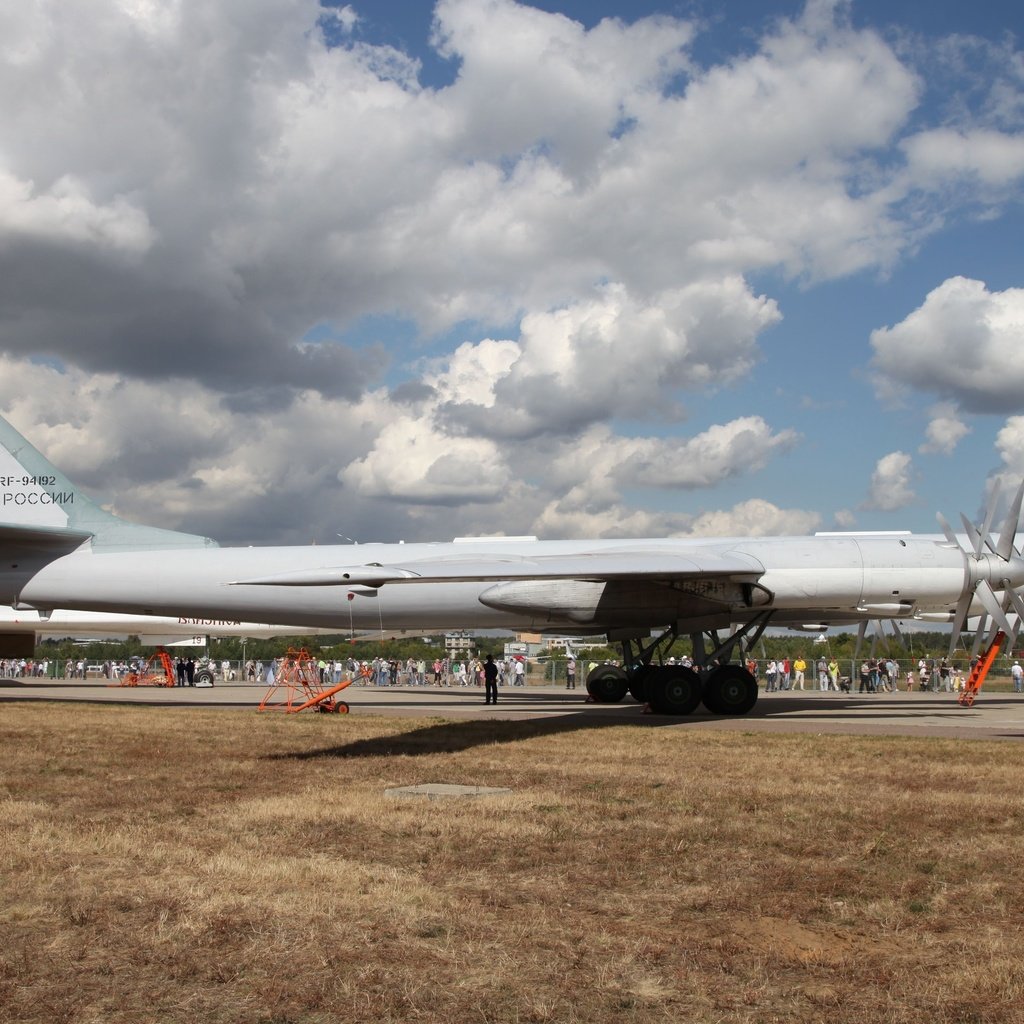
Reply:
x=147, y=676
x=980, y=671
x=297, y=687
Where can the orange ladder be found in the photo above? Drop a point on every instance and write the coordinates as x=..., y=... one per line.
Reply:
x=980, y=670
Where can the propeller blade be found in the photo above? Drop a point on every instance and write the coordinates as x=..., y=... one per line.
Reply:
x=947, y=529
x=990, y=513
x=979, y=636
x=988, y=598
x=959, y=617
x=1018, y=607
x=875, y=628
x=1004, y=546
x=972, y=531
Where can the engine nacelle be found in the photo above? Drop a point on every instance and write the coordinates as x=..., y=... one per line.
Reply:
x=623, y=602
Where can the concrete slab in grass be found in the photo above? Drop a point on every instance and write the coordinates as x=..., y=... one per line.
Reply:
x=445, y=790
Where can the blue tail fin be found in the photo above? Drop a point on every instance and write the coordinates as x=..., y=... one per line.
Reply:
x=37, y=501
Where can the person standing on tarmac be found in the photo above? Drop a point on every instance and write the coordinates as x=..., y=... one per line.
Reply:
x=490, y=681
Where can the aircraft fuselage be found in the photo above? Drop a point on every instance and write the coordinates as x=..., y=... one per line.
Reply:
x=794, y=576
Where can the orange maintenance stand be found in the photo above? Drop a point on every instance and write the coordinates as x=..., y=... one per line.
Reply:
x=146, y=676
x=297, y=687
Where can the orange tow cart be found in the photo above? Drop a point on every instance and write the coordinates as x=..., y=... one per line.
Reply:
x=297, y=687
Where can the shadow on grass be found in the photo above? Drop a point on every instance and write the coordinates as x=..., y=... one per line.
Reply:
x=451, y=737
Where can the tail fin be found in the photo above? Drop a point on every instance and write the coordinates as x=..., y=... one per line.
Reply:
x=38, y=501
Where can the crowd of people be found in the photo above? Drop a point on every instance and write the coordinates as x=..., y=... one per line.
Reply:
x=869, y=675
x=70, y=668
x=401, y=672
x=872, y=675
x=379, y=671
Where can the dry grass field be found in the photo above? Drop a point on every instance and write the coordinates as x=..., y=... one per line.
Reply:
x=173, y=865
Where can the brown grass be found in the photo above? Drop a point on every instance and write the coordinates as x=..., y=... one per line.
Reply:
x=221, y=866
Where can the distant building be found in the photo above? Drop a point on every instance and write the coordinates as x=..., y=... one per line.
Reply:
x=458, y=642
x=571, y=644
x=536, y=645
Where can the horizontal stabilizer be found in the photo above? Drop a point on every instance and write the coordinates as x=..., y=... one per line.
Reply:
x=41, y=539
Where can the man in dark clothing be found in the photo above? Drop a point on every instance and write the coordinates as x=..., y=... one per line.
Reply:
x=490, y=681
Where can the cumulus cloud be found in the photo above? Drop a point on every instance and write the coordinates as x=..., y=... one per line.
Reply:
x=1010, y=445
x=183, y=459
x=752, y=518
x=890, y=487
x=65, y=212
x=413, y=462
x=287, y=182
x=756, y=518
x=845, y=519
x=945, y=430
x=963, y=343
x=716, y=454
x=571, y=367
x=567, y=230
x=994, y=159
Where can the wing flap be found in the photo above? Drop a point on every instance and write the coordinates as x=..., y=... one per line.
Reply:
x=640, y=564
x=643, y=564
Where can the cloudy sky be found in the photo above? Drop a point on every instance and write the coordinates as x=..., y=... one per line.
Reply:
x=278, y=271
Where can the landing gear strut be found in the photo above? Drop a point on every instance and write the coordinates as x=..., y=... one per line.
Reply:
x=724, y=687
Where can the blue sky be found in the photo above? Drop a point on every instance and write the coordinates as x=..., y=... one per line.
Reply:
x=402, y=270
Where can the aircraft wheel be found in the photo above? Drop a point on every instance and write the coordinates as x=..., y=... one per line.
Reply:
x=730, y=690
x=607, y=684
x=204, y=677
x=674, y=690
x=638, y=685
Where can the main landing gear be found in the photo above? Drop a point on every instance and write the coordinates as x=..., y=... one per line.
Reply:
x=724, y=688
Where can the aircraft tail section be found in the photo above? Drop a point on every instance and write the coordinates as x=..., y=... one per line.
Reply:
x=42, y=511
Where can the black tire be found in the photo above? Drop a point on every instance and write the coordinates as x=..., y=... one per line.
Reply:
x=204, y=677
x=607, y=684
x=730, y=690
x=674, y=690
x=638, y=685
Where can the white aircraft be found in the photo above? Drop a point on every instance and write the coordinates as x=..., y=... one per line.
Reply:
x=153, y=628
x=58, y=549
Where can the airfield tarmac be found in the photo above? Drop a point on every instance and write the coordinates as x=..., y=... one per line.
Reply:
x=993, y=716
